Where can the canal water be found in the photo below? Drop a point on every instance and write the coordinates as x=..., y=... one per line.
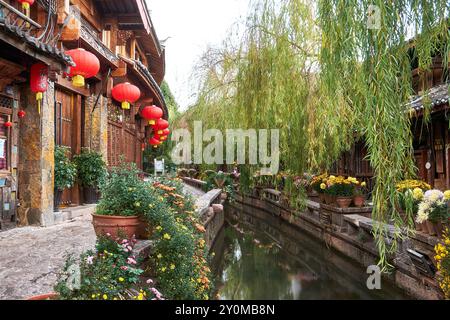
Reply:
x=260, y=259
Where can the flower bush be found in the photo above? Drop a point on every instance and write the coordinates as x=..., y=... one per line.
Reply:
x=180, y=252
x=442, y=258
x=433, y=207
x=108, y=273
x=404, y=185
x=65, y=170
x=318, y=182
x=340, y=186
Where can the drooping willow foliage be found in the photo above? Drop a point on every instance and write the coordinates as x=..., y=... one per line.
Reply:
x=364, y=55
x=327, y=72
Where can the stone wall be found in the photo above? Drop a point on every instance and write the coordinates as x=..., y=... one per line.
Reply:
x=351, y=236
x=36, y=159
x=96, y=125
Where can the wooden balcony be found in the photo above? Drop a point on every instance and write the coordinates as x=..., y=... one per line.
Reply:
x=81, y=32
x=23, y=33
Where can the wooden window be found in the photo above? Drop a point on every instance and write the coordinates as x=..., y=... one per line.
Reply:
x=106, y=36
x=6, y=105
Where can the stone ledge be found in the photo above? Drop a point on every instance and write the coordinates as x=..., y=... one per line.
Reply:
x=67, y=214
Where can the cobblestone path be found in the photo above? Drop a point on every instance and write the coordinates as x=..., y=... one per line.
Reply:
x=31, y=257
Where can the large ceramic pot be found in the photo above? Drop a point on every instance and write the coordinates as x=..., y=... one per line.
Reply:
x=439, y=228
x=322, y=197
x=328, y=198
x=90, y=195
x=119, y=226
x=430, y=228
x=344, y=202
x=359, y=201
x=48, y=296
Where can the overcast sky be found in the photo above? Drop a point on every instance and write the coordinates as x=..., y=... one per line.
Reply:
x=192, y=26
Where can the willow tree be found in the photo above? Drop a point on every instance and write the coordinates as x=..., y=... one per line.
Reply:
x=364, y=55
x=325, y=72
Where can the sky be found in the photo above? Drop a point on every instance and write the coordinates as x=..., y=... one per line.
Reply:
x=192, y=26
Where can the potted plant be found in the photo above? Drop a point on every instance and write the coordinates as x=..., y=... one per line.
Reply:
x=318, y=185
x=121, y=208
x=410, y=194
x=433, y=211
x=65, y=173
x=359, y=198
x=343, y=189
x=91, y=171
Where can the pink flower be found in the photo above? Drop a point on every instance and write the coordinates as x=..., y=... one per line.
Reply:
x=90, y=260
x=131, y=261
x=129, y=248
x=149, y=281
x=124, y=241
x=124, y=268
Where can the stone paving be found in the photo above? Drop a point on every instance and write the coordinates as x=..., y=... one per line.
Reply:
x=31, y=257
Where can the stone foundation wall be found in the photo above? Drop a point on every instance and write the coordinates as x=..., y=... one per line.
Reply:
x=356, y=243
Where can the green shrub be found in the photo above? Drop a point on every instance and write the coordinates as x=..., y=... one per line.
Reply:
x=91, y=168
x=65, y=170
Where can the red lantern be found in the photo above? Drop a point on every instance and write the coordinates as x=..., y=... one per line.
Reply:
x=151, y=113
x=154, y=142
x=126, y=93
x=39, y=81
x=21, y=114
x=160, y=126
x=26, y=6
x=166, y=132
x=8, y=124
x=87, y=65
x=143, y=146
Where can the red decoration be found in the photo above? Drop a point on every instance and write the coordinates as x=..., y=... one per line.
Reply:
x=39, y=81
x=160, y=126
x=143, y=146
x=21, y=114
x=151, y=113
x=154, y=142
x=87, y=65
x=126, y=93
x=166, y=132
x=8, y=124
x=26, y=5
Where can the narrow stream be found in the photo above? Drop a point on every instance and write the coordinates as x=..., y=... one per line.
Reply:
x=269, y=259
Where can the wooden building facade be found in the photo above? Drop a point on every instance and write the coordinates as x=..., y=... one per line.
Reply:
x=121, y=35
x=431, y=139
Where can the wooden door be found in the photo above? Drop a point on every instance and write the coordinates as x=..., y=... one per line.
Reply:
x=68, y=132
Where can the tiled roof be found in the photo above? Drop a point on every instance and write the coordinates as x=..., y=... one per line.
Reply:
x=437, y=96
x=36, y=44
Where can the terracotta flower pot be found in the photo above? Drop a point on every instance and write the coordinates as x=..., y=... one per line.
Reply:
x=430, y=228
x=418, y=226
x=423, y=227
x=117, y=226
x=439, y=228
x=48, y=296
x=344, y=202
x=328, y=198
x=359, y=201
x=322, y=197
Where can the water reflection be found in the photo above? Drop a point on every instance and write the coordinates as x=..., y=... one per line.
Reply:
x=254, y=265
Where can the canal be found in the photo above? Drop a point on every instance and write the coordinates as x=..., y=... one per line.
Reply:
x=269, y=259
